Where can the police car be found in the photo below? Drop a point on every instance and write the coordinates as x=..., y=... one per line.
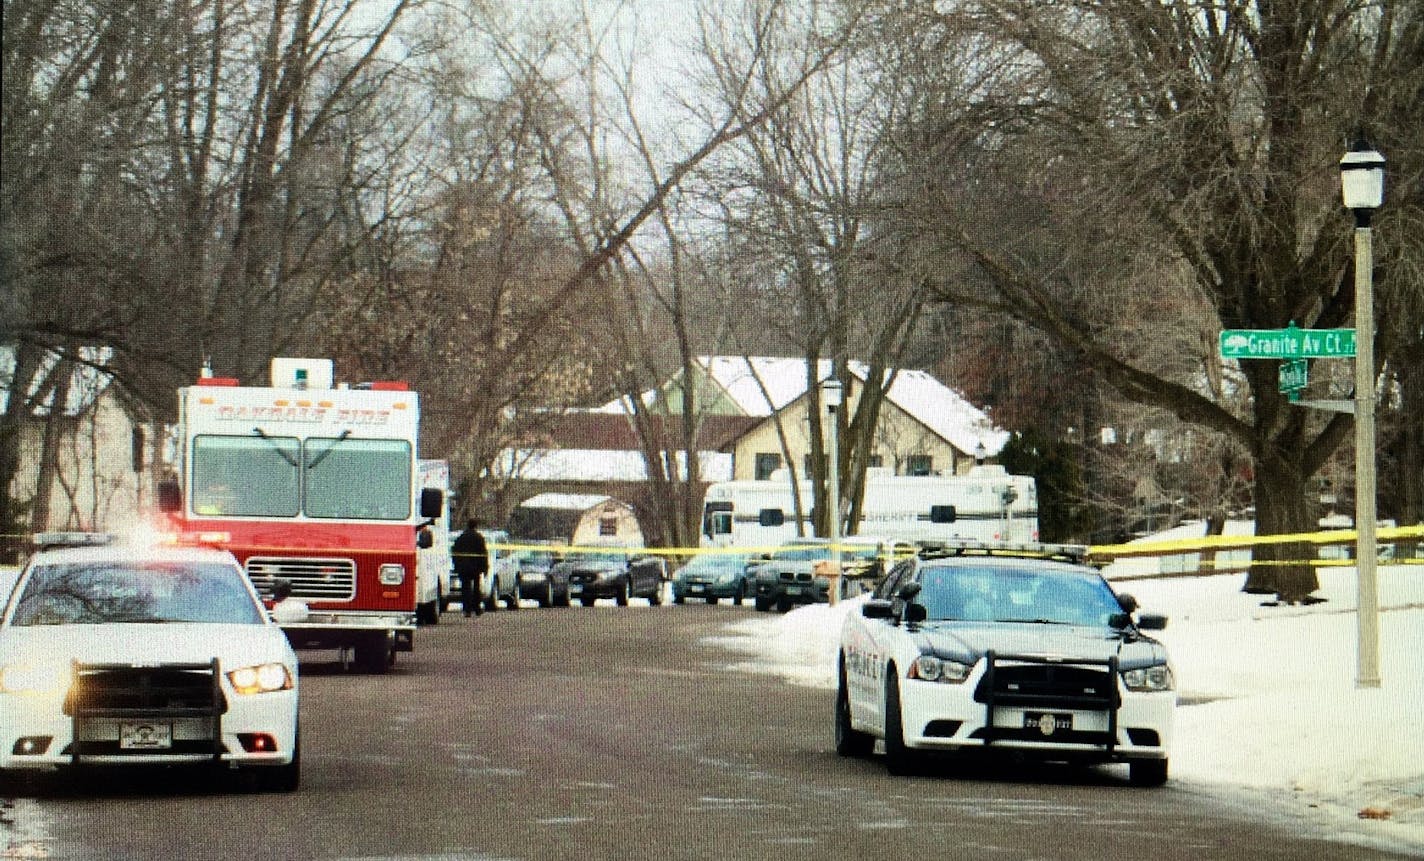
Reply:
x=971, y=646
x=118, y=654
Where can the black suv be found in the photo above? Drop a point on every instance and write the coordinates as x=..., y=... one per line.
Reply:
x=616, y=575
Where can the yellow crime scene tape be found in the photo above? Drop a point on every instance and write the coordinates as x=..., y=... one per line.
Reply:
x=1100, y=553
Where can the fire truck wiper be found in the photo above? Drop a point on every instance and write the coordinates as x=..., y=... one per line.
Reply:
x=291, y=461
x=326, y=451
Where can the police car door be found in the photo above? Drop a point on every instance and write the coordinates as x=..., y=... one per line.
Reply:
x=869, y=651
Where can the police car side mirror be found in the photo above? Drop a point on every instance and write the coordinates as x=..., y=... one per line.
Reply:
x=915, y=613
x=1151, y=622
x=1127, y=603
x=875, y=608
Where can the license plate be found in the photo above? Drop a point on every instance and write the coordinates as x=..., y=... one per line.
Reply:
x=697, y=587
x=793, y=590
x=145, y=736
x=1047, y=723
x=575, y=589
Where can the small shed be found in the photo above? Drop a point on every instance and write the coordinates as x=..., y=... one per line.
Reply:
x=578, y=518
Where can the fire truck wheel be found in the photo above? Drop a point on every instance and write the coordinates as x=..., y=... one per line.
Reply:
x=376, y=655
x=428, y=614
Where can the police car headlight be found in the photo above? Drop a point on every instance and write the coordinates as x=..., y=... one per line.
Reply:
x=392, y=574
x=932, y=669
x=33, y=678
x=261, y=679
x=1156, y=678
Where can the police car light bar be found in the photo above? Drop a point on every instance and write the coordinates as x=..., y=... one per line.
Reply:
x=49, y=540
x=972, y=546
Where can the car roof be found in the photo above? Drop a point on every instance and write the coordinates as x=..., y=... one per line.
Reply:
x=132, y=552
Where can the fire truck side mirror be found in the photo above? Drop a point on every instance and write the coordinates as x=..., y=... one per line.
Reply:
x=431, y=501
x=423, y=539
x=170, y=496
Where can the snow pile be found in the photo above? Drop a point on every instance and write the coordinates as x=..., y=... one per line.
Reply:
x=1269, y=701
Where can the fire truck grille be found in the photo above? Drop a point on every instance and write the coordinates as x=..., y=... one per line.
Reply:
x=317, y=579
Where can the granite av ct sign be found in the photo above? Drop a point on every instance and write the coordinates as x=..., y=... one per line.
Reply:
x=1287, y=343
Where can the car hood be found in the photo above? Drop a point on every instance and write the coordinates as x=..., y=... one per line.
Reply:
x=171, y=642
x=961, y=640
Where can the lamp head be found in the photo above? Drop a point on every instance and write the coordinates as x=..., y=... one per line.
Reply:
x=1362, y=178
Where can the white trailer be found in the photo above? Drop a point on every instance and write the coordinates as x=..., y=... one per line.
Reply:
x=432, y=564
x=987, y=504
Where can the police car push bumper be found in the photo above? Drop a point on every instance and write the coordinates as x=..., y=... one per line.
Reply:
x=947, y=716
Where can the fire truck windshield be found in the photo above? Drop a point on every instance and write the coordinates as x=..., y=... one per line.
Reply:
x=338, y=478
x=358, y=478
x=254, y=476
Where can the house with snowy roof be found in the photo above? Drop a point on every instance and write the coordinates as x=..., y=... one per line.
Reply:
x=925, y=427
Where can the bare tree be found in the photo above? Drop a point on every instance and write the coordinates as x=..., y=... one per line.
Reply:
x=1207, y=132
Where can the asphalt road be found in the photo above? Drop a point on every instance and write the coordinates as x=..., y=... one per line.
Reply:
x=617, y=733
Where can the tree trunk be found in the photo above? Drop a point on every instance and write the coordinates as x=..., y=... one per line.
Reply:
x=1282, y=507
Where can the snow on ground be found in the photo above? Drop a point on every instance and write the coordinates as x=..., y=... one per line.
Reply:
x=1269, y=705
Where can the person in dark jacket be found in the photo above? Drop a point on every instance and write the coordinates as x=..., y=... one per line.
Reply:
x=471, y=560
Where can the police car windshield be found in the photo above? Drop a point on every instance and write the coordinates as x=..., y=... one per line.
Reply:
x=142, y=592
x=1002, y=594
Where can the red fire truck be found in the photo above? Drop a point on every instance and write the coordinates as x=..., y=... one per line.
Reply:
x=315, y=486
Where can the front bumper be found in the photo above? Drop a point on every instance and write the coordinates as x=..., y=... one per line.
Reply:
x=240, y=730
x=947, y=717
x=327, y=630
x=705, y=589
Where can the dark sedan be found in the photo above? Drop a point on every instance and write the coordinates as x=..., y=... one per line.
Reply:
x=541, y=577
x=616, y=575
x=712, y=576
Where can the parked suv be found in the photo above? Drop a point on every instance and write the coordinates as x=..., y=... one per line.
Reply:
x=798, y=573
x=616, y=575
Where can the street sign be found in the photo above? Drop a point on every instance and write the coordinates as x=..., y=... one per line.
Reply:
x=1287, y=343
x=1293, y=375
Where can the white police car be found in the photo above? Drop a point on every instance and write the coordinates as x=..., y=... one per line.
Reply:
x=978, y=647
x=127, y=655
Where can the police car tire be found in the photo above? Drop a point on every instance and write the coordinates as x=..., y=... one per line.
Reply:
x=850, y=742
x=1147, y=772
x=284, y=778
x=897, y=756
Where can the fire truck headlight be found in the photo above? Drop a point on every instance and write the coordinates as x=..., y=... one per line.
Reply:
x=261, y=679
x=392, y=574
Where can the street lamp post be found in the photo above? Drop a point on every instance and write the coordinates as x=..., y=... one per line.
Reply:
x=831, y=396
x=1362, y=187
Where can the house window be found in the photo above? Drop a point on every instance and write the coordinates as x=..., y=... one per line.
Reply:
x=806, y=464
x=766, y=464
x=919, y=464
x=608, y=524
